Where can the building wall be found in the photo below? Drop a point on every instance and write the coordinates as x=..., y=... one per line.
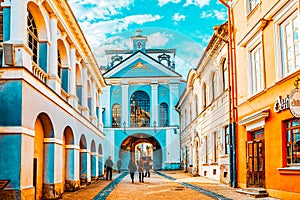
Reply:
x=261, y=27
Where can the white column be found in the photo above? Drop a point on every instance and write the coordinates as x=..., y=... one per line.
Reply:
x=174, y=116
x=18, y=27
x=124, y=106
x=53, y=80
x=154, y=104
x=106, y=103
x=85, y=109
x=73, y=99
x=100, y=120
x=93, y=106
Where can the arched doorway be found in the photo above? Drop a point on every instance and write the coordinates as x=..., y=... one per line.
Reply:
x=94, y=163
x=141, y=145
x=83, y=160
x=43, y=161
x=68, y=161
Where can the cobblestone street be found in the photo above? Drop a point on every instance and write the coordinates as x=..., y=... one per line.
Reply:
x=162, y=185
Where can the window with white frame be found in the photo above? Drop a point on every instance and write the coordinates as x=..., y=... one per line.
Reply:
x=290, y=44
x=224, y=74
x=226, y=140
x=204, y=96
x=256, y=69
x=252, y=4
x=214, y=86
x=214, y=147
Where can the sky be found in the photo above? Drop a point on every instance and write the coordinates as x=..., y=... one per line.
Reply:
x=185, y=25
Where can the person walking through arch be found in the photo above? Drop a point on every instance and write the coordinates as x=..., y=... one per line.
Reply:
x=141, y=170
x=109, y=165
x=119, y=165
x=132, y=169
x=147, y=167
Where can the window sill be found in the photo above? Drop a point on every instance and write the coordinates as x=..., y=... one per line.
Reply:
x=289, y=170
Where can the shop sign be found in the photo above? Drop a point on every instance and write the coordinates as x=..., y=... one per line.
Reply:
x=295, y=102
x=282, y=103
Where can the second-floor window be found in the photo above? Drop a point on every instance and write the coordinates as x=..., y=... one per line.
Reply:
x=32, y=37
x=224, y=74
x=116, y=116
x=163, y=115
x=290, y=44
x=140, y=109
x=256, y=69
x=252, y=4
x=214, y=86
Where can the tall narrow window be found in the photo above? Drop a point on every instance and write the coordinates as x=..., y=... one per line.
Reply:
x=252, y=4
x=116, y=116
x=292, y=134
x=59, y=65
x=225, y=74
x=32, y=37
x=214, y=150
x=196, y=105
x=256, y=69
x=140, y=109
x=204, y=96
x=205, y=150
x=290, y=42
x=226, y=138
x=163, y=115
x=214, y=86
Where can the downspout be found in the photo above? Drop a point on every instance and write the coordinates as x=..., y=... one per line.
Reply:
x=232, y=98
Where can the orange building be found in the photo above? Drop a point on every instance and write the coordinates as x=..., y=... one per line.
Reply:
x=267, y=63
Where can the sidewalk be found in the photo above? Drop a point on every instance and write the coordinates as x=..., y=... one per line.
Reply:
x=211, y=185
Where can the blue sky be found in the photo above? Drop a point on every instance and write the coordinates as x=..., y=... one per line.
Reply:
x=185, y=25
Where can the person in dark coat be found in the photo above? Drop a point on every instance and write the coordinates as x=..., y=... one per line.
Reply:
x=140, y=164
x=119, y=165
x=132, y=169
x=147, y=168
x=109, y=165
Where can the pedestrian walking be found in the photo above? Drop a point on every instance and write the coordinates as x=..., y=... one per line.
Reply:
x=147, y=168
x=132, y=169
x=141, y=170
x=119, y=165
x=109, y=165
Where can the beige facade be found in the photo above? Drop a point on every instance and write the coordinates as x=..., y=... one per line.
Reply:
x=203, y=109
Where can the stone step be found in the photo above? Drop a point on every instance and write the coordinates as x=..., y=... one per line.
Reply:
x=254, y=192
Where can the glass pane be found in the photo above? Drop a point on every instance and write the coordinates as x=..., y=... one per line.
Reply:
x=295, y=123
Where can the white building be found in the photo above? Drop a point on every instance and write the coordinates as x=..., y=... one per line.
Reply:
x=203, y=109
x=51, y=135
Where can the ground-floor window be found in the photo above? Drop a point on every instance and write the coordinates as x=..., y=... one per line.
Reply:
x=292, y=134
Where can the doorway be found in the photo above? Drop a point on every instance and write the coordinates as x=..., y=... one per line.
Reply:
x=256, y=159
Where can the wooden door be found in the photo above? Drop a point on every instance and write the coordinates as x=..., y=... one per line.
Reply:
x=255, y=163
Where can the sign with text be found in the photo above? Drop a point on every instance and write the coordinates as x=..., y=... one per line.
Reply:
x=295, y=102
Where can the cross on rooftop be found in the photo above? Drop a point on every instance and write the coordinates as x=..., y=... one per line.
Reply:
x=139, y=31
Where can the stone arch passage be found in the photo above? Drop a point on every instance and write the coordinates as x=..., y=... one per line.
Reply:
x=131, y=148
x=83, y=160
x=100, y=161
x=93, y=158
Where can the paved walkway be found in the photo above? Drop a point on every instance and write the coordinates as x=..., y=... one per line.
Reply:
x=162, y=185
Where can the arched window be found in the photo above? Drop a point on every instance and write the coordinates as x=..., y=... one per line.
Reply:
x=32, y=37
x=204, y=96
x=214, y=86
x=139, y=109
x=225, y=74
x=163, y=115
x=116, y=116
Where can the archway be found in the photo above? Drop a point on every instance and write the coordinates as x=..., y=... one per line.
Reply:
x=141, y=145
x=94, y=163
x=68, y=161
x=43, y=159
x=100, y=161
x=83, y=160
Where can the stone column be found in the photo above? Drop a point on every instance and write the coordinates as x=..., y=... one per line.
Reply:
x=73, y=100
x=174, y=116
x=85, y=109
x=18, y=19
x=53, y=79
x=106, y=103
x=154, y=104
x=93, y=103
x=124, y=106
x=71, y=183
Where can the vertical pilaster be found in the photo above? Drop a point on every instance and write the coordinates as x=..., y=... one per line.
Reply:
x=154, y=102
x=124, y=106
x=53, y=79
x=100, y=120
x=73, y=100
x=106, y=102
x=174, y=117
x=18, y=17
x=85, y=109
x=93, y=103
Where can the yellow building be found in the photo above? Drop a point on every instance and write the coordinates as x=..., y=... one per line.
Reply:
x=267, y=62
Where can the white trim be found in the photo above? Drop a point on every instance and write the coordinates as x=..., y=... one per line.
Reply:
x=85, y=151
x=16, y=130
x=53, y=140
x=72, y=146
x=94, y=153
x=256, y=120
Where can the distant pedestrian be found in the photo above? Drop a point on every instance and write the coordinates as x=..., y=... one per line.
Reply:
x=141, y=170
x=119, y=165
x=147, y=168
x=132, y=169
x=109, y=165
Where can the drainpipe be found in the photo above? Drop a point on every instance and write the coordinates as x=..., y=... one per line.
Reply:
x=232, y=97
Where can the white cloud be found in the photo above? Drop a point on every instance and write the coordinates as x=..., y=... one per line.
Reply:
x=93, y=9
x=177, y=17
x=158, y=39
x=199, y=3
x=163, y=2
x=220, y=15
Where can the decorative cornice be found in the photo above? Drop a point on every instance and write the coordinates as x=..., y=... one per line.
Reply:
x=255, y=117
